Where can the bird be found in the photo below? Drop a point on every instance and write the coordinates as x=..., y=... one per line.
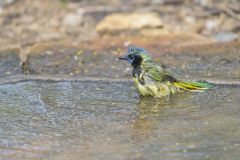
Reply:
x=155, y=80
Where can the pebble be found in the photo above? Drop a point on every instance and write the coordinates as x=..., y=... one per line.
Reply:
x=72, y=20
x=226, y=37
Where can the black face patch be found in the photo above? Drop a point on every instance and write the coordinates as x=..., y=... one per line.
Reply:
x=136, y=60
x=136, y=74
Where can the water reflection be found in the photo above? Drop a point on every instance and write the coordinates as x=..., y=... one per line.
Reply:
x=186, y=125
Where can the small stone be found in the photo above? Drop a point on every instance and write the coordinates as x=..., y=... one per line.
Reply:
x=167, y=2
x=1, y=10
x=229, y=25
x=127, y=43
x=48, y=52
x=226, y=37
x=9, y=1
x=79, y=53
x=212, y=24
x=204, y=2
x=129, y=21
x=48, y=36
x=72, y=20
x=190, y=19
x=75, y=57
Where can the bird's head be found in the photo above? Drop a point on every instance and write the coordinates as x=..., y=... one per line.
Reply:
x=136, y=56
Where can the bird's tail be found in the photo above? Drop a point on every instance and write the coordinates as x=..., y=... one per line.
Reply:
x=193, y=86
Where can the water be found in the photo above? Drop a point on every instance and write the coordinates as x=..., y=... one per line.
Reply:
x=100, y=120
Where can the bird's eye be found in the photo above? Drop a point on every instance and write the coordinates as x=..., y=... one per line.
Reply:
x=131, y=56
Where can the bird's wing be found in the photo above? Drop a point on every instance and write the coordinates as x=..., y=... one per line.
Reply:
x=157, y=73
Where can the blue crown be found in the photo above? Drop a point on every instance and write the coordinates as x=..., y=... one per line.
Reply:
x=136, y=49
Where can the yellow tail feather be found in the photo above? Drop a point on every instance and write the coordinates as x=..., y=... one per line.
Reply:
x=193, y=86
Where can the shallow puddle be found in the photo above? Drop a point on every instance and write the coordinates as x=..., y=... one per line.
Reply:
x=100, y=120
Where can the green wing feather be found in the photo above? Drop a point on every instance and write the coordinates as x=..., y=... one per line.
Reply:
x=158, y=74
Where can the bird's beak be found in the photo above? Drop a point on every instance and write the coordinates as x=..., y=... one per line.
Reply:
x=123, y=58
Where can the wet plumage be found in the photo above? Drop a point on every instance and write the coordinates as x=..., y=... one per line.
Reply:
x=154, y=80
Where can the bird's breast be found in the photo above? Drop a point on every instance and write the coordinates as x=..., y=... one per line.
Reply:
x=142, y=88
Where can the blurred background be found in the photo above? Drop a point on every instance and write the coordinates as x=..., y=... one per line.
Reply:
x=25, y=22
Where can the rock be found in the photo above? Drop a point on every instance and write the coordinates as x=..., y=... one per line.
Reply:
x=72, y=20
x=154, y=31
x=204, y=2
x=9, y=1
x=1, y=10
x=129, y=21
x=228, y=25
x=48, y=36
x=226, y=37
x=59, y=60
x=9, y=63
x=156, y=38
x=178, y=39
x=172, y=2
x=217, y=60
x=212, y=24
